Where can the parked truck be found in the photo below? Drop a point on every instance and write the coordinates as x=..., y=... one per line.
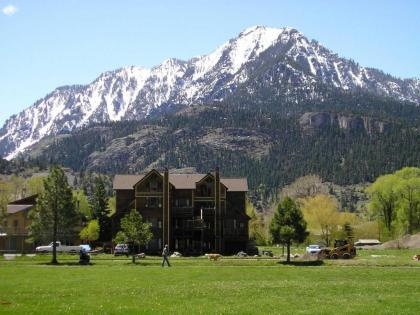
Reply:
x=59, y=247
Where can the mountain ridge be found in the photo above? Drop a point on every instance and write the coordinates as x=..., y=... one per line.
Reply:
x=290, y=64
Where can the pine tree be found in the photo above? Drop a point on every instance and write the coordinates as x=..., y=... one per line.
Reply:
x=55, y=217
x=288, y=224
x=100, y=210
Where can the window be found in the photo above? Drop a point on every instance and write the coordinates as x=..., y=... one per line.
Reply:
x=160, y=243
x=182, y=203
x=153, y=186
x=159, y=224
x=15, y=223
x=241, y=225
x=153, y=202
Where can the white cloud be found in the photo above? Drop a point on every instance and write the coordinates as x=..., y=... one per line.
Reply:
x=9, y=10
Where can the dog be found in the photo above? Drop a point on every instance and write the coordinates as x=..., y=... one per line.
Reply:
x=416, y=257
x=213, y=257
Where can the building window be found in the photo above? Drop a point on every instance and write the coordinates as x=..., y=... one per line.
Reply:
x=241, y=225
x=160, y=243
x=15, y=223
x=182, y=203
x=153, y=202
x=159, y=224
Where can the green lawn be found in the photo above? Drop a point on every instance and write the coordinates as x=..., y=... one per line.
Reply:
x=376, y=282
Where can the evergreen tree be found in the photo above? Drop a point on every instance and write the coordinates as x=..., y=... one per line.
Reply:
x=55, y=217
x=288, y=224
x=100, y=210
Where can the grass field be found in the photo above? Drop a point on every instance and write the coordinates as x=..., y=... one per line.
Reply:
x=376, y=282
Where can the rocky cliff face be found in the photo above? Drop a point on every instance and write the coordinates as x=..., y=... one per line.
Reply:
x=284, y=60
x=312, y=121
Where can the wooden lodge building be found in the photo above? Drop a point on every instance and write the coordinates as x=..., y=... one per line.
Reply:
x=14, y=233
x=192, y=213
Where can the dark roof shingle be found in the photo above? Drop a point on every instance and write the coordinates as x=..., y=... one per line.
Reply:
x=179, y=181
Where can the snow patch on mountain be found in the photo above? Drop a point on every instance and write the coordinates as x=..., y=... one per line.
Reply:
x=136, y=92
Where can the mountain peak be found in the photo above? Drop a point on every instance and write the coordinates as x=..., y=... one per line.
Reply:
x=296, y=65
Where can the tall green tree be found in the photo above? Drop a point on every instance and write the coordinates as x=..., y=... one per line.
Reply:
x=54, y=217
x=383, y=199
x=288, y=224
x=134, y=231
x=321, y=212
x=408, y=189
x=100, y=210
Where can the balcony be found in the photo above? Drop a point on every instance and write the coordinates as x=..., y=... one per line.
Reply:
x=13, y=231
x=182, y=212
x=195, y=224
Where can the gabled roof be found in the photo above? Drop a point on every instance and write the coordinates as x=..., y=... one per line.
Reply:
x=126, y=182
x=235, y=184
x=185, y=181
x=180, y=181
x=21, y=204
x=147, y=175
x=30, y=200
x=17, y=208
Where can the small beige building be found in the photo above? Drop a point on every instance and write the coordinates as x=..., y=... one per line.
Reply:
x=14, y=231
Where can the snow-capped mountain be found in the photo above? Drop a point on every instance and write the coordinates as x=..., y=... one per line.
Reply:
x=274, y=57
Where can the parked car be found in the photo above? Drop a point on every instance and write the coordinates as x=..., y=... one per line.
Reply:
x=314, y=249
x=59, y=248
x=121, y=249
x=176, y=254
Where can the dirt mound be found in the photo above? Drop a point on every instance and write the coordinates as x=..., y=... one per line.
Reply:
x=407, y=241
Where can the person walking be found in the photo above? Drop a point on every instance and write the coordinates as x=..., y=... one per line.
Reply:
x=165, y=255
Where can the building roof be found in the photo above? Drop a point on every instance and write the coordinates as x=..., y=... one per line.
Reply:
x=21, y=204
x=185, y=181
x=30, y=200
x=235, y=184
x=126, y=182
x=180, y=181
x=17, y=208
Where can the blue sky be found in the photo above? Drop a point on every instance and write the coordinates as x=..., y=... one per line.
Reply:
x=45, y=44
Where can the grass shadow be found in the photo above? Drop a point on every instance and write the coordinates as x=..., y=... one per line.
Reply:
x=66, y=263
x=303, y=263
